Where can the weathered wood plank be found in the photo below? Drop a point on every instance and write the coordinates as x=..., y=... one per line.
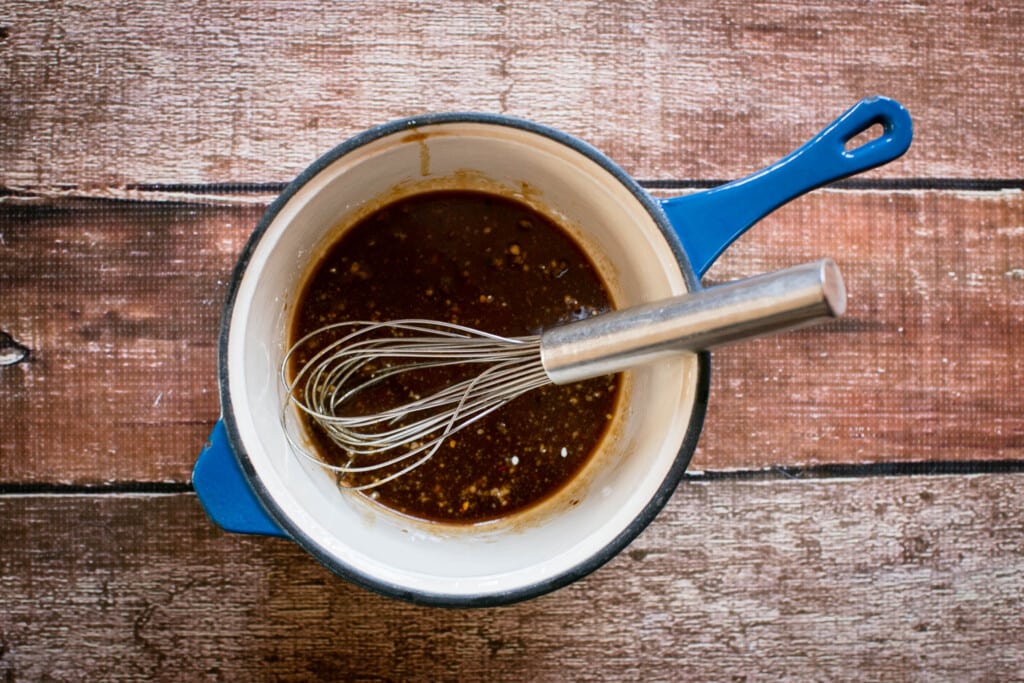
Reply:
x=119, y=304
x=927, y=364
x=198, y=92
x=879, y=579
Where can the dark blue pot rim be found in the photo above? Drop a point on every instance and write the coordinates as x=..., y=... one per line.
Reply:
x=617, y=544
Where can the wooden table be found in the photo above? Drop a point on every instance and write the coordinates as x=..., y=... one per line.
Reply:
x=855, y=510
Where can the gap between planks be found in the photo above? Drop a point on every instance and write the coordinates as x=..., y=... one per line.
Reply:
x=817, y=473
x=255, y=194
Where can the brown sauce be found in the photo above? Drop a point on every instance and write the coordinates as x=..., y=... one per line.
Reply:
x=489, y=263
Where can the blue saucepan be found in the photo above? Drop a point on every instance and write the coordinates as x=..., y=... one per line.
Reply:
x=248, y=480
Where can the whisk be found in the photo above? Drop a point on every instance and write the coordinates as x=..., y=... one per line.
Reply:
x=487, y=371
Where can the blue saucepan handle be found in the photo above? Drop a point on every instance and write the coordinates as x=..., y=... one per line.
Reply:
x=708, y=222
x=225, y=492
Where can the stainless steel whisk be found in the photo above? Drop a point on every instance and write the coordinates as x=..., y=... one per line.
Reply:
x=397, y=439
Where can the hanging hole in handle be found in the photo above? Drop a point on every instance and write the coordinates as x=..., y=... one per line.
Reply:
x=868, y=135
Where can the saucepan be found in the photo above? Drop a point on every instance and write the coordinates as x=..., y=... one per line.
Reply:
x=249, y=480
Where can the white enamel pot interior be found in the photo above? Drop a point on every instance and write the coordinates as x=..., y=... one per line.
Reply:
x=626, y=482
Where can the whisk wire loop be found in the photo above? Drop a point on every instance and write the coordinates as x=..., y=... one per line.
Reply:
x=407, y=434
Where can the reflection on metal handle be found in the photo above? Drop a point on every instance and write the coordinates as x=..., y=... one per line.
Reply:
x=783, y=300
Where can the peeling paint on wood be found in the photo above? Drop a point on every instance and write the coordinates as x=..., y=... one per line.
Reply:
x=11, y=352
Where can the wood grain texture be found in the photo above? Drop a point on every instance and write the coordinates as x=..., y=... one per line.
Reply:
x=113, y=94
x=120, y=306
x=879, y=579
x=926, y=365
x=109, y=313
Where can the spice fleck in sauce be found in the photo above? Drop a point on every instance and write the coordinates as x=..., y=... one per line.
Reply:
x=490, y=263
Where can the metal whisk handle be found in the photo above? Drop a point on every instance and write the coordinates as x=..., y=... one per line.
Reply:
x=754, y=307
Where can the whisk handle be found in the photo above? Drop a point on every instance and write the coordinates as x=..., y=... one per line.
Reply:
x=754, y=307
